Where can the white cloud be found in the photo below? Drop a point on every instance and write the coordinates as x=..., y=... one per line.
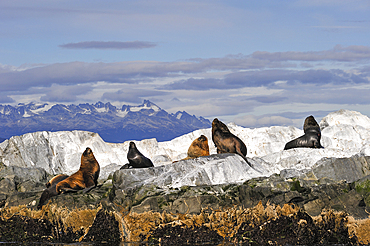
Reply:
x=252, y=121
x=58, y=93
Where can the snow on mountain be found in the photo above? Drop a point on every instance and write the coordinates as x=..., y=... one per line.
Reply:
x=147, y=105
x=60, y=152
x=111, y=123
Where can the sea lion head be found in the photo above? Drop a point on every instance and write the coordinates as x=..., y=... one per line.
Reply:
x=310, y=123
x=88, y=157
x=202, y=138
x=199, y=147
x=132, y=145
x=202, y=142
x=133, y=152
x=87, y=152
x=216, y=124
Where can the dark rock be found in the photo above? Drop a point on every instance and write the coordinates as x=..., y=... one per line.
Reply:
x=178, y=235
x=297, y=229
x=104, y=229
x=24, y=229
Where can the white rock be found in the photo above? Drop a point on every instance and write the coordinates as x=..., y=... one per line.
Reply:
x=209, y=170
x=345, y=117
x=344, y=134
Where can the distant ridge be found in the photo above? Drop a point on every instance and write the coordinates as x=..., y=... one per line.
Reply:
x=111, y=123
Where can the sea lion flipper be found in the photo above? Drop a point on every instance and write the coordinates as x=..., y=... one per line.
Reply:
x=245, y=158
x=67, y=190
x=86, y=190
x=126, y=166
x=46, y=194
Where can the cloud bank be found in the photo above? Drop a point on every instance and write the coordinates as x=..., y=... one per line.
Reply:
x=231, y=88
x=113, y=45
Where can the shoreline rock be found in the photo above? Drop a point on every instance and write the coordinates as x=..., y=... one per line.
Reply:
x=311, y=191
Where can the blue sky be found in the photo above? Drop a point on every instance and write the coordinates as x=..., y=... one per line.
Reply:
x=257, y=63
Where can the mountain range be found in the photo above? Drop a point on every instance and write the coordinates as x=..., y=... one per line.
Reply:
x=111, y=123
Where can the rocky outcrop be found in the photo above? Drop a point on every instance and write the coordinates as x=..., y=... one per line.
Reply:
x=336, y=178
x=313, y=197
x=313, y=191
x=331, y=183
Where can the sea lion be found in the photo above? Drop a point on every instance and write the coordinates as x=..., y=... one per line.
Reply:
x=136, y=159
x=56, y=180
x=199, y=147
x=86, y=177
x=311, y=138
x=226, y=142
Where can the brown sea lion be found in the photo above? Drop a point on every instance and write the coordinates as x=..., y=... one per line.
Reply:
x=136, y=159
x=225, y=141
x=56, y=180
x=86, y=177
x=199, y=147
x=311, y=138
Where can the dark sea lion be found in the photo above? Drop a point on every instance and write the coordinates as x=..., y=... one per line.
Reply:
x=86, y=177
x=136, y=159
x=225, y=141
x=311, y=138
x=199, y=147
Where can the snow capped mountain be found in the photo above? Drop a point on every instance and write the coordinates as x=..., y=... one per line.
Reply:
x=60, y=152
x=111, y=123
